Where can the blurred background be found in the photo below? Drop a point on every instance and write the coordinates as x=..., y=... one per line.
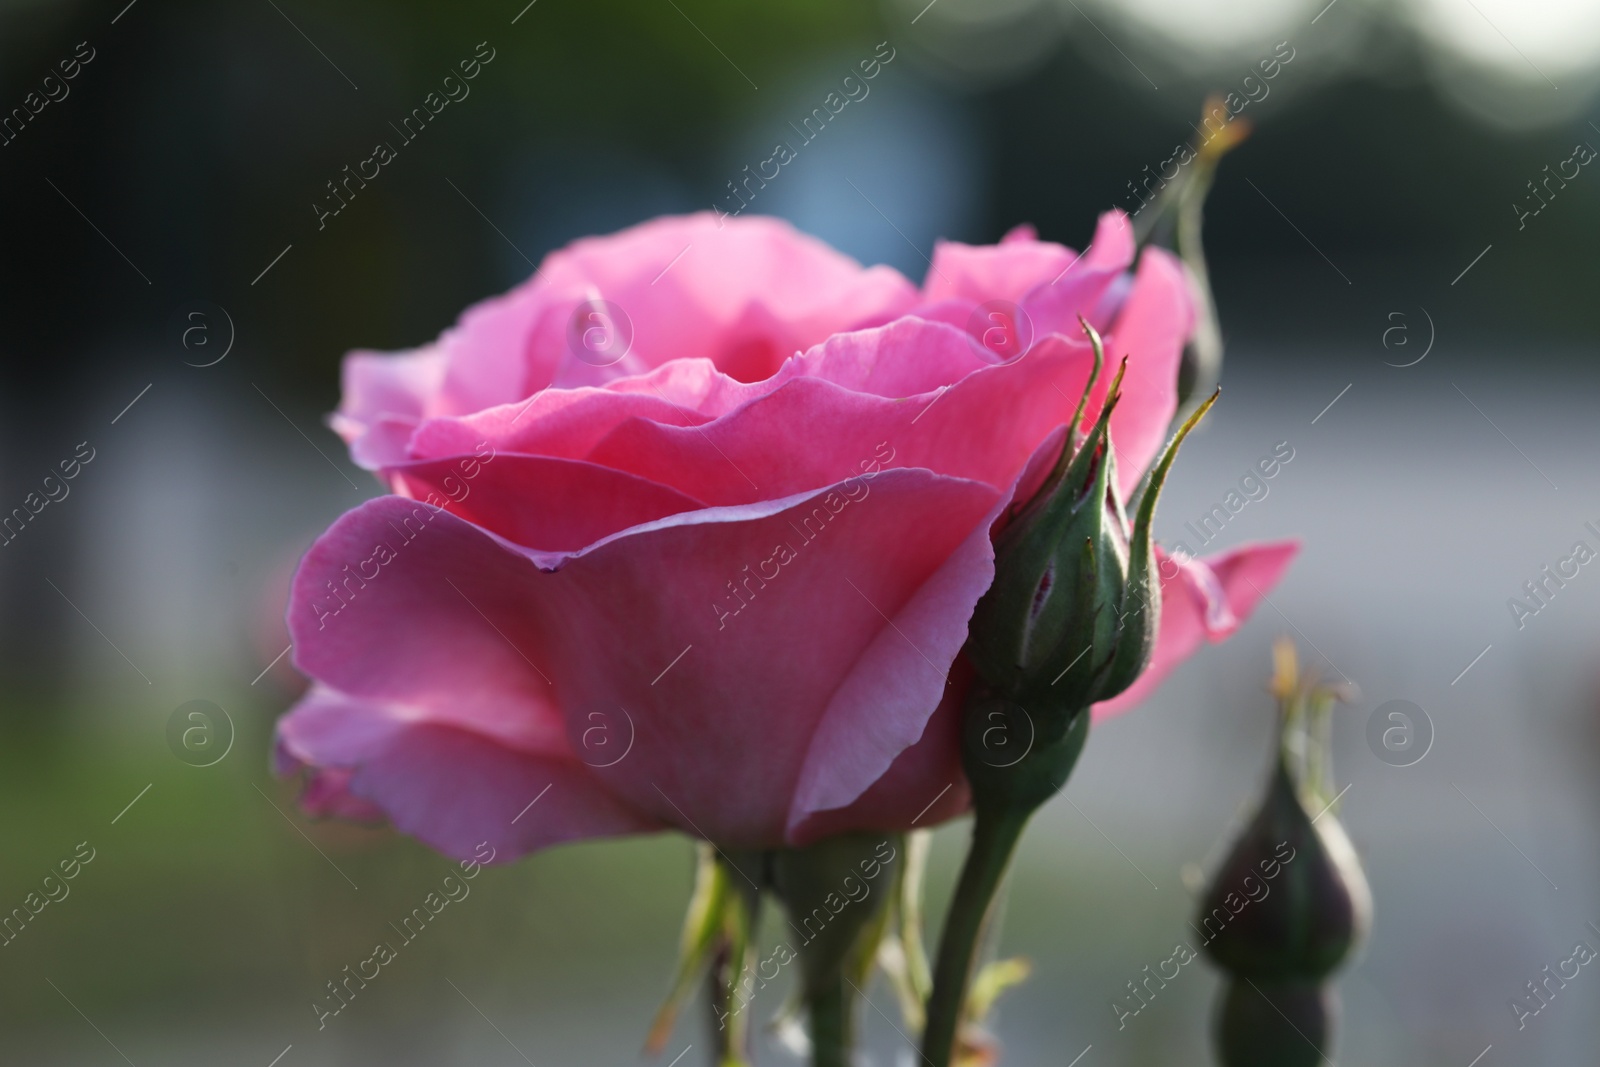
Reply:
x=1397, y=309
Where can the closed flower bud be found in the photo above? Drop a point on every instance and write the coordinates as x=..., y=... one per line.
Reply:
x=1290, y=902
x=1313, y=902
x=1072, y=614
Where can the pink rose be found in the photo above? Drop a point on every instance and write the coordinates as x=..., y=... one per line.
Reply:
x=707, y=561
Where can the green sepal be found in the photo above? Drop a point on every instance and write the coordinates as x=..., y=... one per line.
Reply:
x=714, y=943
x=702, y=925
x=901, y=954
x=1140, y=616
x=992, y=980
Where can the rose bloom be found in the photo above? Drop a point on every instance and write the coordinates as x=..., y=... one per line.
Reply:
x=686, y=531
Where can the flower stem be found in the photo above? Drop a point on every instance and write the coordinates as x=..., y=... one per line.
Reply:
x=831, y=1037
x=994, y=839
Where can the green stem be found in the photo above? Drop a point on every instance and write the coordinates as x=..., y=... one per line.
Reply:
x=831, y=1037
x=994, y=839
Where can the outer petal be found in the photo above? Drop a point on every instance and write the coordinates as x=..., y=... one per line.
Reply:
x=1203, y=600
x=330, y=729
x=1052, y=284
x=883, y=707
x=452, y=789
x=385, y=396
x=376, y=569
x=327, y=794
x=923, y=786
x=449, y=788
x=647, y=622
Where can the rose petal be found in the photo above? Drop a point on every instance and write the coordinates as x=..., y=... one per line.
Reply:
x=347, y=593
x=384, y=397
x=1151, y=330
x=1055, y=301
x=980, y=273
x=452, y=790
x=648, y=622
x=746, y=293
x=985, y=427
x=878, y=759
x=558, y=505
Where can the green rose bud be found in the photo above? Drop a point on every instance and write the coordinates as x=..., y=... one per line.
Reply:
x=1072, y=614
